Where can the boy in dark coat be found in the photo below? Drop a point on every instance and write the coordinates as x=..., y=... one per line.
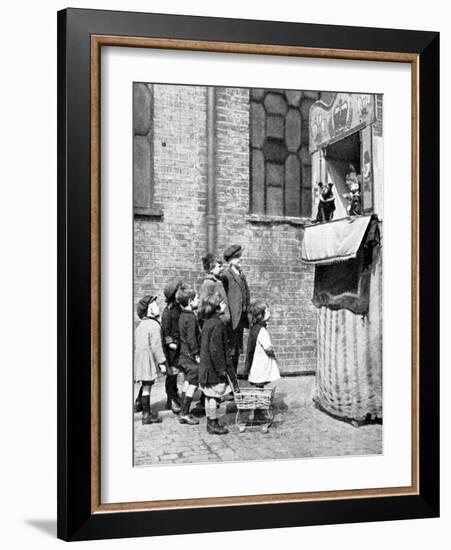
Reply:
x=189, y=351
x=171, y=342
x=215, y=362
x=238, y=297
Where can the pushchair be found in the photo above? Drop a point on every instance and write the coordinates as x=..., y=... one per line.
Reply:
x=254, y=407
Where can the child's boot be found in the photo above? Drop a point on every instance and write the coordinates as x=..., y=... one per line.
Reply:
x=149, y=417
x=173, y=400
x=138, y=405
x=167, y=387
x=175, y=392
x=213, y=427
x=199, y=409
x=185, y=417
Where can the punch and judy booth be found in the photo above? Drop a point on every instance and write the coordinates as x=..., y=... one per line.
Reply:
x=347, y=254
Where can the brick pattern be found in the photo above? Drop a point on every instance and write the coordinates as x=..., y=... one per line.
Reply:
x=272, y=259
x=174, y=245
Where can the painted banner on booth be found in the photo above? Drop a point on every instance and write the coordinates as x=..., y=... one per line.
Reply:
x=345, y=115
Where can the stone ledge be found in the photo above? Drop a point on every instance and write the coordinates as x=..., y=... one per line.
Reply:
x=156, y=213
x=277, y=220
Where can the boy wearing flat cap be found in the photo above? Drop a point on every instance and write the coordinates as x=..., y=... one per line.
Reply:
x=150, y=360
x=238, y=298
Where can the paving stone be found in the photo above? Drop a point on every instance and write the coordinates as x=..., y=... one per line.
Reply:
x=226, y=454
x=202, y=458
x=300, y=430
x=169, y=457
x=219, y=445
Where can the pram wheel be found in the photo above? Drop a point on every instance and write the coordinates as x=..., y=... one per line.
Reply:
x=254, y=409
x=240, y=424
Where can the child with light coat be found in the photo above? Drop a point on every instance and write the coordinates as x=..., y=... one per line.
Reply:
x=261, y=364
x=150, y=360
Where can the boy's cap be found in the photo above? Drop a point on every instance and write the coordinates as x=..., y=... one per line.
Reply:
x=233, y=251
x=143, y=304
x=210, y=259
x=171, y=288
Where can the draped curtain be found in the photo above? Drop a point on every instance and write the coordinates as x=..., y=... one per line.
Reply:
x=349, y=359
x=348, y=297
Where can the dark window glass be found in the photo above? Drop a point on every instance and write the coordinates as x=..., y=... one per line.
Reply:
x=280, y=165
x=142, y=147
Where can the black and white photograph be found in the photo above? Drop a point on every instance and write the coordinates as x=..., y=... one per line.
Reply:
x=258, y=291
x=226, y=221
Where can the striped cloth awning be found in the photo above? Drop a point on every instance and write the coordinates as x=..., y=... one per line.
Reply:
x=335, y=241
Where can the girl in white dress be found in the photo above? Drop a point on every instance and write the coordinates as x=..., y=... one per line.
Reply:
x=261, y=364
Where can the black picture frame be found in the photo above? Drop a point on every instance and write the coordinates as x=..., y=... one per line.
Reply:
x=76, y=520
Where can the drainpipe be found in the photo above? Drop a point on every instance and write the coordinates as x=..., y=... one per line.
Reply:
x=211, y=215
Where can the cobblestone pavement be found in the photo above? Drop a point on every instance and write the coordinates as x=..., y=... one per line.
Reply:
x=299, y=430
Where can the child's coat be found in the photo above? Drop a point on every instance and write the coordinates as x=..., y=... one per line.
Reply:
x=189, y=346
x=214, y=358
x=148, y=350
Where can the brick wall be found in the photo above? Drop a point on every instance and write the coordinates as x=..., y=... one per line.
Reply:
x=174, y=244
x=272, y=259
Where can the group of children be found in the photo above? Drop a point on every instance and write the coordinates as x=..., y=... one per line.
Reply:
x=192, y=339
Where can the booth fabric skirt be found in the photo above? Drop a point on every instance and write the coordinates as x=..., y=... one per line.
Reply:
x=348, y=381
